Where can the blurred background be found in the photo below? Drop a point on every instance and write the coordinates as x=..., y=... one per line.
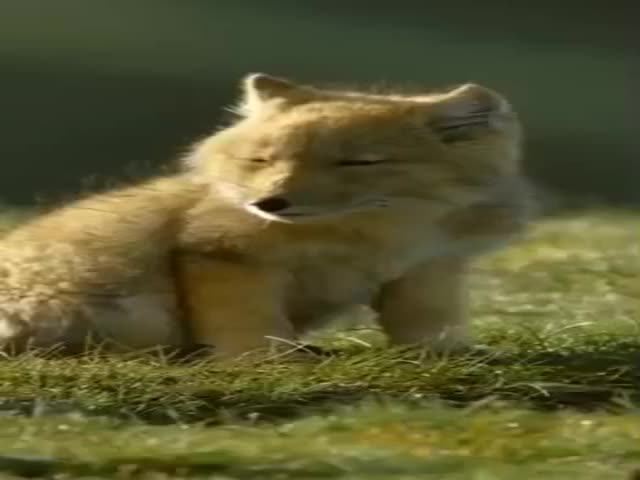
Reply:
x=94, y=89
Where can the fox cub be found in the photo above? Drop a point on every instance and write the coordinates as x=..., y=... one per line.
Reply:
x=312, y=201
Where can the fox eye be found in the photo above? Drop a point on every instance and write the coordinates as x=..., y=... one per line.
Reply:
x=257, y=160
x=458, y=129
x=358, y=163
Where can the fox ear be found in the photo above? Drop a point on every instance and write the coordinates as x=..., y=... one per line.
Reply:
x=261, y=90
x=464, y=111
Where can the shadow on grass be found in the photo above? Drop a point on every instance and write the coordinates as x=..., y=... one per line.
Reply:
x=214, y=463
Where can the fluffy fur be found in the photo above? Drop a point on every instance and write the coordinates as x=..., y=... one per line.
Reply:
x=311, y=202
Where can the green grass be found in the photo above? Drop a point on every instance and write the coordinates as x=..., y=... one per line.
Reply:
x=556, y=396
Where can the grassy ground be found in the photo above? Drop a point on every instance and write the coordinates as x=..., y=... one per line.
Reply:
x=556, y=397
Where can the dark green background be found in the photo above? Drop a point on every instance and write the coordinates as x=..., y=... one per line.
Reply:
x=92, y=87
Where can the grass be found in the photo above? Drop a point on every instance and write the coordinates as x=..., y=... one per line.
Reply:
x=556, y=396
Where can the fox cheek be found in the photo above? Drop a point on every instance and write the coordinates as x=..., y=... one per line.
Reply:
x=230, y=191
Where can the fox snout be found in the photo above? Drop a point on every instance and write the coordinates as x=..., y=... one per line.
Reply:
x=271, y=204
x=284, y=209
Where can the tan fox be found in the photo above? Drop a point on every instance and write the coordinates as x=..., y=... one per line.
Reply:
x=312, y=201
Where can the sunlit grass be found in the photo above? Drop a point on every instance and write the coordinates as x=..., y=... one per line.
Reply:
x=555, y=395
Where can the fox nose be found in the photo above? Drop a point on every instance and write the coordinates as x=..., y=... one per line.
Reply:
x=272, y=204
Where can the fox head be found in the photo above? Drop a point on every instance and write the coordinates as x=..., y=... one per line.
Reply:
x=301, y=154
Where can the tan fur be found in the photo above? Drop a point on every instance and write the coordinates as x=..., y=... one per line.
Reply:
x=190, y=258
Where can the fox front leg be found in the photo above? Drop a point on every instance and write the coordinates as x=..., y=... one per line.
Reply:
x=234, y=307
x=427, y=306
